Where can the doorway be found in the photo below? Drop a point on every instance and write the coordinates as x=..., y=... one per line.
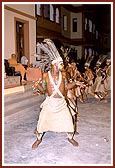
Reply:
x=19, y=40
x=22, y=39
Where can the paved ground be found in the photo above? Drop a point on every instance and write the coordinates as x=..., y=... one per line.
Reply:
x=95, y=139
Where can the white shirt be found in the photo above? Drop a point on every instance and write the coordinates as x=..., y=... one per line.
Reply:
x=24, y=60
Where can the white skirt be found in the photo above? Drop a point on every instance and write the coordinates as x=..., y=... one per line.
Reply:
x=55, y=116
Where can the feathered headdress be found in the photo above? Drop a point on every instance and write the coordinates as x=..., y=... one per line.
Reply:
x=88, y=60
x=101, y=59
x=49, y=54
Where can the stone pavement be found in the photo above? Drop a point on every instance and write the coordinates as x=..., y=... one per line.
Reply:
x=95, y=138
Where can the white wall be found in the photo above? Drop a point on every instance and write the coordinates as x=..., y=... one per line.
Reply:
x=9, y=43
x=26, y=8
x=9, y=34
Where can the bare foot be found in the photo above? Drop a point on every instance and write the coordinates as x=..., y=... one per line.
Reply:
x=36, y=143
x=73, y=142
x=35, y=131
x=76, y=133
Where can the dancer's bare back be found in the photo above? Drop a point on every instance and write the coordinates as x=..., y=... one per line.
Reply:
x=50, y=87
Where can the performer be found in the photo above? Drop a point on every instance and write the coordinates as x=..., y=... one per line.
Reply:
x=55, y=115
x=107, y=81
x=98, y=84
x=69, y=70
x=72, y=100
x=88, y=78
x=78, y=77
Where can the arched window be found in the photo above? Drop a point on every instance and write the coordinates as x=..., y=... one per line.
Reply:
x=51, y=13
x=85, y=53
x=85, y=23
x=38, y=8
x=90, y=26
x=90, y=51
x=47, y=11
x=57, y=15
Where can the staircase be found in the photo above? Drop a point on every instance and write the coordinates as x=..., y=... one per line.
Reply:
x=21, y=102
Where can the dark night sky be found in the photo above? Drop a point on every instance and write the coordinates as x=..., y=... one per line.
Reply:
x=104, y=15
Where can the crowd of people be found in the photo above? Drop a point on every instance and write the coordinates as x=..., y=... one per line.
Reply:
x=63, y=84
x=19, y=67
x=97, y=81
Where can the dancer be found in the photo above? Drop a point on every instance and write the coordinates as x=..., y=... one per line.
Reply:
x=107, y=81
x=55, y=115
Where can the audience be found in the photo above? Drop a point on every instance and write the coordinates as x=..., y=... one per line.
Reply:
x=18, y=66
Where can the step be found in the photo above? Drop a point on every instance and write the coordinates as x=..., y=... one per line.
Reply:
x=32, y=105
x=12, y=104
x=21, y=109
x=14, y=90
x=26, y=91
x=22, y=103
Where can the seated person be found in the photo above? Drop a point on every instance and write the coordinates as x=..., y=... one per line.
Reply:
x=24, y=61
x=18, y=67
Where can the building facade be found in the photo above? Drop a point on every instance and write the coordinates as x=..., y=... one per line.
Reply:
x=20, y=31
x=76, y=26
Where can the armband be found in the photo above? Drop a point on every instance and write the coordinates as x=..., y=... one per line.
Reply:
x=70, y=80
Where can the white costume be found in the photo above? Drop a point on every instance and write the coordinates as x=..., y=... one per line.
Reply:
x=55, y=115
x=98, y=85
x=24, y=60
x=107, y=81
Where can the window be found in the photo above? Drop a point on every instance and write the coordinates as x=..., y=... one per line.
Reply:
x=47, y=11
x=85, y=53
x=38, y=8
x=90, y=51
x=85, y=23
x=90, y=26
x=51, y=13
x=64, y=22
x=74, y=24
x=57, y=15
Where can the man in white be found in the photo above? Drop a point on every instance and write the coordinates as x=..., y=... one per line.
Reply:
x=24, y=61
